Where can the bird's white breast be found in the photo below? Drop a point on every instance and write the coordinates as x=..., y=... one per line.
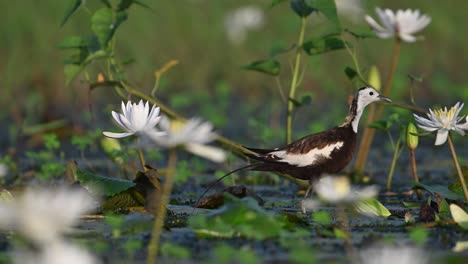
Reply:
x=309, y=158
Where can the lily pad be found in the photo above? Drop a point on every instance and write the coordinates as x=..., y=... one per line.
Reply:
x=100, y=185
x=442, y=190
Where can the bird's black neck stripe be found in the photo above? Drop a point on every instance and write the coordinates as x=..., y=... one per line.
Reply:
x=352, y=112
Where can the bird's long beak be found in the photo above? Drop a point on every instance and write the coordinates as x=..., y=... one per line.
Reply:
x=386, y=99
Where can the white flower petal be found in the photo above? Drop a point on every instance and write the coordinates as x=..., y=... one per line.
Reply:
x=441, y=137
x=403, y=22
x=208, y=152
x=374, y=24
x=407, y=37
x=117, y=135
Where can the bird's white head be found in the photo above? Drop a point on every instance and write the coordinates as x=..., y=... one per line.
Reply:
x=364, y=97
x=368, y=95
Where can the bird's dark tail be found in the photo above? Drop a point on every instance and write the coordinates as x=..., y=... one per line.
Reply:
x=224, y=176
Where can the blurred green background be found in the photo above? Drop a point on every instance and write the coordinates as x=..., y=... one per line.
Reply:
x=209, y=70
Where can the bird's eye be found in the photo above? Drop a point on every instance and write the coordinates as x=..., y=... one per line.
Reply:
x=371, y=93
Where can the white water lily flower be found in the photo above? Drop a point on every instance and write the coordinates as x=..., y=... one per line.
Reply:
x=42, y=215
x=136, y=119
x=193, y=135
x=403, y=24
x=338, y=189
x=58, y=252
x=390, y=254
x=442, y=121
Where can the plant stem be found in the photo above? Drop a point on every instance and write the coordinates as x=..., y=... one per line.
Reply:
x=393, y=165
x=142, y=159
x=294, y=81
x=415, y=172
x=457, y=166
x=368, y=134
x=153, y=246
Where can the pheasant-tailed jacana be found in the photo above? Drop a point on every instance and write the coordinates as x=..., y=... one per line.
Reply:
x=326, y=152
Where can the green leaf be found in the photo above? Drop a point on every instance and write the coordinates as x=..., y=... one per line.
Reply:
x=456, y=186
x=279, y=49
x=72, y=7
x=327, y=8
x=141, y=4
x=106, y=3
x=411, y=204
x=96, y=55
x=442, y=190
x=302, y=7
x=100, y=185
x=305, y=100
x=350, y=73
x=339, y=233
x=126, y=199
x=71, y=71
x=322, y=218
x=383, y=125
x=419, y=235
x=459, y=216
x=361, y=33
x=125, y=4
x=104, y=25
x=174, y=251
x=324, y=44
x=271, y=67
x=77, y=56
x=73, y=42
x=276, y=2
x=372, y=207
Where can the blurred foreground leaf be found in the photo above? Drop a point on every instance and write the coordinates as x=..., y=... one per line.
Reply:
x=324, y=44
x=271, y=67
x=5, y=196
x=237, y=218
x=419, y=235
x=459, y=216
x=460, y=246
x=372, y=207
